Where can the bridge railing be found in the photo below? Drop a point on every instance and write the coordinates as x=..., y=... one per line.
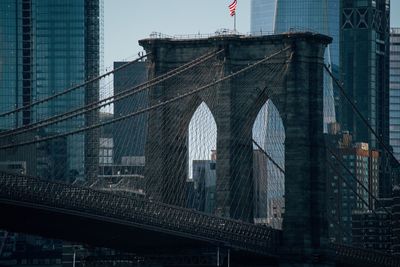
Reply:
x=145, y=213
x=365, y=256
x=140, y=211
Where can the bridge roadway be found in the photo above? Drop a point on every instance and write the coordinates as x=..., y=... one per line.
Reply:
x=81, y=214
x=149, y=223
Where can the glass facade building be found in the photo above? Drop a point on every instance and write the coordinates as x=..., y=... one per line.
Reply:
x=10, y=61
x=262, y=16
x=278, y=16
x=131, y=141
x=315, y=16
x=46, y=46
x=302, y=15
x=395, y=91
x=364, y=70
x=269, y=16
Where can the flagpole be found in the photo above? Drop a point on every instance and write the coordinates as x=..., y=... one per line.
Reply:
x=232, y=11
x=234, y=23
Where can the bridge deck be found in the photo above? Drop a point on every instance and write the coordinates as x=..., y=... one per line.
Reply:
x=21, y=191
x=124, y=220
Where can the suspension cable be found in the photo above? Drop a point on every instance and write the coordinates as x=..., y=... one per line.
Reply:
x=355, y=179
x=73, y=88
x=358, y=112
x=268, y=156
x=202, y=88
x=108, y=100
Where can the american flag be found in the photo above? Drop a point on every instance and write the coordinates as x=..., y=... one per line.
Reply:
x=232, y=8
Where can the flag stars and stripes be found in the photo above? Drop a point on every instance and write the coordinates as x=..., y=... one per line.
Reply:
x=232, y=8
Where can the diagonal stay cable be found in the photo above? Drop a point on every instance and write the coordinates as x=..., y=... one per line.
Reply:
x=202, y=88
x=106, y=101
x=269, y=157
x=239, y=153
x=355, y=178
x=240, y=191
x=182, y=158
x=196, y=81
x=348, y=185
x=176, y=162
x=73, y=88
x=358, y=112
x=111, y=99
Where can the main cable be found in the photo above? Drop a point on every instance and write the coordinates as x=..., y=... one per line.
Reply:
x=150, y=108
x=108, y=100
x=72, y=88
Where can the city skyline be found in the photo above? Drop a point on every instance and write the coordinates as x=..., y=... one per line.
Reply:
x=122, y=35
x=204, y=146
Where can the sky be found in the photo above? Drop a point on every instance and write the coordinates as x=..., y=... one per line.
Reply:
x=127, y=21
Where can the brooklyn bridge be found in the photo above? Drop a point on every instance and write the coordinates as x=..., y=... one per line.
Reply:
x=213, y=89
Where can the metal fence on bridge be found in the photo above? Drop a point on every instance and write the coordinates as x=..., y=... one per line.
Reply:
x=140, y=211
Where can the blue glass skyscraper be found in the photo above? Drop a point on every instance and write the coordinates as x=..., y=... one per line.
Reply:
x=47, y=46
x=364, y=71
x=308, y=15
x=263, y=16
x=278, y=16
x=317, y=16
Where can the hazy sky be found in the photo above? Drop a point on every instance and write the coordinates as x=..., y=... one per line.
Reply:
x=127, y=21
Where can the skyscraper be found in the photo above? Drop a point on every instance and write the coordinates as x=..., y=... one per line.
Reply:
x=363, y=163
x=284, y=15
x=130, y=139
x=46, y=46
x=315, y=16
x=395, y=91
x=364, y=70
x=278, y=16
x=263, y=16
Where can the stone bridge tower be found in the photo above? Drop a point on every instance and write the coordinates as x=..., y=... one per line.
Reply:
x=299, y=99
